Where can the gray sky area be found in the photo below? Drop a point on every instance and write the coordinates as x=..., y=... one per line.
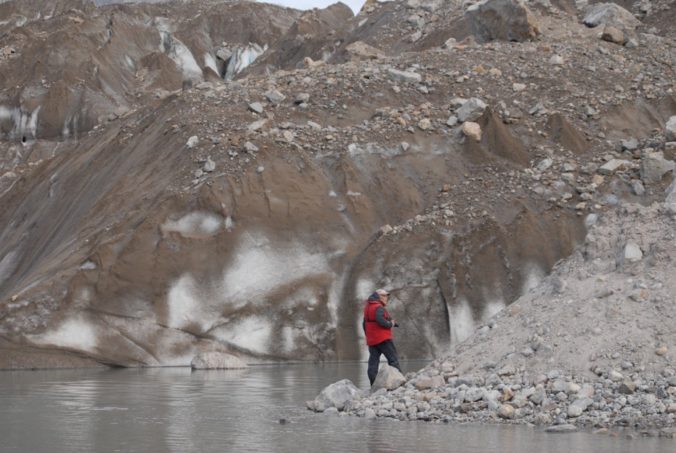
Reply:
x=309, y=4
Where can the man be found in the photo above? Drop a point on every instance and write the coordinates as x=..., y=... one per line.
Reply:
x=378, y=330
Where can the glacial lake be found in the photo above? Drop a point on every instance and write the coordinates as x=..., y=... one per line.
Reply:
x=177, y=410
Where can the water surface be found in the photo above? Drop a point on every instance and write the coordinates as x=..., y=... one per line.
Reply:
x=176, y=410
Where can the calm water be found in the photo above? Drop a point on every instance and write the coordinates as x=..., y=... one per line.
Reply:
x=176, y=410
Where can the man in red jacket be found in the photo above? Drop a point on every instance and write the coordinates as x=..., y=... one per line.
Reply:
x=378, y=330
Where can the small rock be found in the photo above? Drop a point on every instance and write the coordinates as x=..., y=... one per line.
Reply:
x=209, y=165
x=654, y=166
x=192, y=141
x=518, y=86
x=556, y=60
x=627, y=387
x=250, y=147
x=452, y=121
x=302, y=98
x=661, y=351
x=565, y=428
x=670, y=129
x=472, y=130
x=632, y=252
x=613, y=166
x=404, y=76
x=614, y=35
x=275, y=96
x=506, y=411
x=425, y=124
x=256, y=107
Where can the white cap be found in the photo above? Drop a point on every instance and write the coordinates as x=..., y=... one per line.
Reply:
x=382, y=292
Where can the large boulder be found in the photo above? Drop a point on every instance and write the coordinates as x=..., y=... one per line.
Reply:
x=508, y=20
x=335, y=395
x=610, y=14
x=389, y=378
x=654, y=166
x=216, y=360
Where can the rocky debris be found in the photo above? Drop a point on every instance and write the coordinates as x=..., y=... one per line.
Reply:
x=613, y=166
x=508, y=20
x=256, y=107
x=337, y=395
x=217, y=360
x=488, y=379
x=275, y=96
x=192, y=141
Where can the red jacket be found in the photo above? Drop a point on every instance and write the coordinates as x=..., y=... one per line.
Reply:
x=375, y=332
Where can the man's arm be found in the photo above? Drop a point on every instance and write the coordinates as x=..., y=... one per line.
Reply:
x=380, y=318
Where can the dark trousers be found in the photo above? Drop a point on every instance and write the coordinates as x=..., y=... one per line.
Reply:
x=387, y=348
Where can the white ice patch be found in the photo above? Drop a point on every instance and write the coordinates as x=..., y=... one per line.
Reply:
x=25, y=124
x=491, y=309
x=73, y=333
x=251, y=333
x=288, y=343
x=210, y=63
x=185, y=305
x=198, y=224
x=242, y=57
x=181, y=55
x=461, y=321
x=364, y=289
x=260, y=267
x=534, y=275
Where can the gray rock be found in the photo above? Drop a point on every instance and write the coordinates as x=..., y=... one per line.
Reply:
x=627, y=387
x=670, y=129
x=250, y=147
x=508, y=20
x=256, y=107
x=388, y=378
x=216, y=360
x=224, y=53
x=209, y=165
x=471, y=110
x=609, y=14
x=578, y=406
x=632, y=252
x=637, y=187
x=613, y=166
x=630, y=144
x=404, y=76
x=302, y=98
x=565, y=428
x=336, y=395
x=654, y=166
x=275, y=96
x=192, y=141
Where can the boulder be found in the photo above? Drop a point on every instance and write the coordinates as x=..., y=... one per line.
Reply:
x=335, y=395
x=670, y=129
x=217, y=360
x=610, y=14
x=471, y=110
x=508, y=20
x=361, y=51
x=614, y=35
x=472, y=130
x=654, y=166
x=404, y=76
x=579, y=406
x=388, y=378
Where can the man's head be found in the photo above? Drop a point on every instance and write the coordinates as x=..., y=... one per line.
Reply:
x=384, y=295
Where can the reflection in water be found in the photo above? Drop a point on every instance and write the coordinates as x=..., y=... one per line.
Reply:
x=177, y=410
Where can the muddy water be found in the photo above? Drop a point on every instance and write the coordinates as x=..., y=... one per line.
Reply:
x=176, y=410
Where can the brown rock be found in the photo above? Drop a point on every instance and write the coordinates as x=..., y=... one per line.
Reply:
x=508, y=20
x=614, y=35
